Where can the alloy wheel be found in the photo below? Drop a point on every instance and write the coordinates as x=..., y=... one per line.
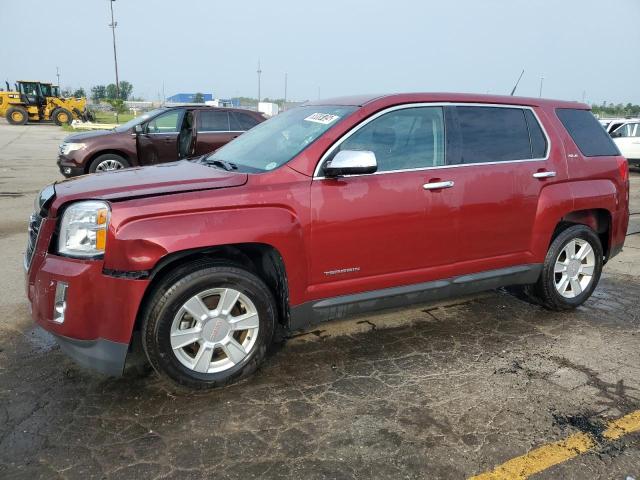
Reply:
x=214, y=330
x=574, y=268
x=108, y=165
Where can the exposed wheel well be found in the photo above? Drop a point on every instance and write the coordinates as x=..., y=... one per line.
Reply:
x=598, y=219
x=103, y=152
x=261, y=259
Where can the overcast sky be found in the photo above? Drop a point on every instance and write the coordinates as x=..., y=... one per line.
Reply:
x=331, y=47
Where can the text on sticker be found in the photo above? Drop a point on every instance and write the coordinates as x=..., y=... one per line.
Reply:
x=324, y=118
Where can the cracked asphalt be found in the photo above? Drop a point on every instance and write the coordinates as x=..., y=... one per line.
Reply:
x=447, y=390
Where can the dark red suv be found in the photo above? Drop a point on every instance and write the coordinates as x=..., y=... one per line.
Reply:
x=333, y=208
x=163, y=135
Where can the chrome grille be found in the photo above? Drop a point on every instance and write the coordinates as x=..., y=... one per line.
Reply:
x=35, y=221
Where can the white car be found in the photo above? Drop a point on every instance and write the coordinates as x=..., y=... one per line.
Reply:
x=627, y=137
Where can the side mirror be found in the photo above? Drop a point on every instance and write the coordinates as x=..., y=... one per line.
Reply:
x=137, y=129
x=351, y=162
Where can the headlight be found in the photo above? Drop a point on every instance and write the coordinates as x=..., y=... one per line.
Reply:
x=83, y=229
x=67, y=148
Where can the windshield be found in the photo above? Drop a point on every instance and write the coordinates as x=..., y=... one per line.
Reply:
x=276, y=141
x=137, y=120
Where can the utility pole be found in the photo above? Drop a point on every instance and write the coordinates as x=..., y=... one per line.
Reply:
x=284, y=104
x=541, y=82
x=113, y=26
x=259, y=72
x=58, y=75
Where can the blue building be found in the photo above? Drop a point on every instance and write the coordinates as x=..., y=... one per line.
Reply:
x=188, y=97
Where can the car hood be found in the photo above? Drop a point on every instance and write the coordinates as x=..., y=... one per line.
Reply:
x=78, y=137
x=166, y=178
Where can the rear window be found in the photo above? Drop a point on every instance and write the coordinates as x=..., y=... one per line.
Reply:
x=493, y=134
x=242, y=121
x=587, y=133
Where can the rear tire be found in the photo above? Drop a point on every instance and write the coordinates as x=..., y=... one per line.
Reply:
x=108, y=162
x=571, y=270
x=62, y=116
x=17, y=116
x=234, y=352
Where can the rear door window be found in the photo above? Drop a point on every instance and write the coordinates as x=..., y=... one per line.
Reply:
x=587, y=133
x=493, y=134
x=213, y=121
x=241, y=121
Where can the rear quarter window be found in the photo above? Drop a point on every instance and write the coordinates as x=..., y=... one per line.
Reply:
x=587, y=133
x=538, y=140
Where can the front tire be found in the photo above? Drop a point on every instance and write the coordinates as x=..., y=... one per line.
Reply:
x=108, y=162
x=208, y=325
x=62, y=116
x=571, y=269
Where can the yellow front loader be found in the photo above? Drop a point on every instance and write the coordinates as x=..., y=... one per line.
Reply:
x=36, y=102
x=76, y=106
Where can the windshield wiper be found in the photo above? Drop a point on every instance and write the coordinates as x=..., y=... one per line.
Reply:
x=228, y=166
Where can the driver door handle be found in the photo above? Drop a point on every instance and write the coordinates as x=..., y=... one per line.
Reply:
x=544, y=174
x=438, y=185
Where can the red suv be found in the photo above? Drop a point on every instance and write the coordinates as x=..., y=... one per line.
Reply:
x=333, y=208
x=163, y=135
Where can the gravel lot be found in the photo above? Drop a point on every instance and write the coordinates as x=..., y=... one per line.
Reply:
x=449, y=390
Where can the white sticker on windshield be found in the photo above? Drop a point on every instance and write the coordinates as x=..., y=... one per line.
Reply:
x=323, y=118
x=271, y=166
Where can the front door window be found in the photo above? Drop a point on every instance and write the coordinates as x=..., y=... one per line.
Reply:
x=166, y=123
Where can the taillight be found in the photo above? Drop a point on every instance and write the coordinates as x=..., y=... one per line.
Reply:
x=623, y=168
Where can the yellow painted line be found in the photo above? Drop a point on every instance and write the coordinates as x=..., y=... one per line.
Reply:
x=542, y=458
x=619, y=428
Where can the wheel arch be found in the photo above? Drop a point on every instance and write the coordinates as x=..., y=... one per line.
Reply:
x=597, y=219
x=589, y=202
x=261, y=259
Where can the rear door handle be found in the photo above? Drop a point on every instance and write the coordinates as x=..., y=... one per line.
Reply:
x=544, y=174
x=438, y=185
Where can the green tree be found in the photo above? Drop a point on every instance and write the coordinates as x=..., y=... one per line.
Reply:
x=118, y=106
x=198, y=98
x=126, y=89
x=79, y=93
x=98, y=92
x=620, y=110
x=111, y=93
